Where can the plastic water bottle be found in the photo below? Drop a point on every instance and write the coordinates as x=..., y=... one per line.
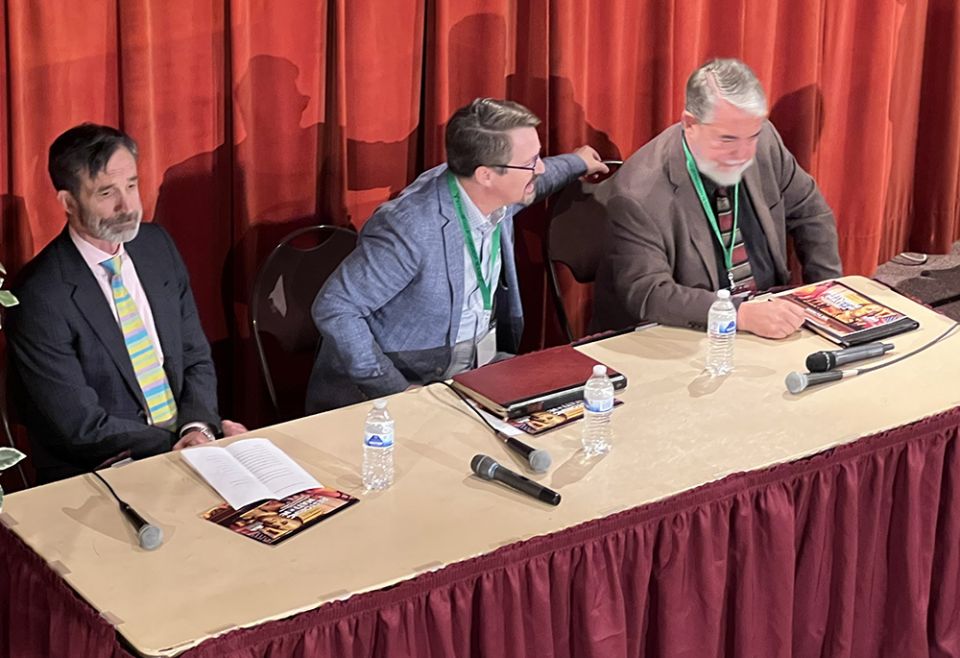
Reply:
x=378, y=447
x=597, y=407
x=721, y=332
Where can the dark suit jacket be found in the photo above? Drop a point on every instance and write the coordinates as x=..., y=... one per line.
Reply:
x=72, y=379
x=659, y=261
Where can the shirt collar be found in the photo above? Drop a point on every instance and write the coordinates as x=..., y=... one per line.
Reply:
x=91, y=255
x=477, y=220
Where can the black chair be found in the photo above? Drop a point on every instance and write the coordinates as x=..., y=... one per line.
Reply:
x=283, y=292
x=576, y=233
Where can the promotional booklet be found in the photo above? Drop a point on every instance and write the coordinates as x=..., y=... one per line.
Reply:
x=847, y=317
x=273, y=521
x=548, y=419
x=269, y=496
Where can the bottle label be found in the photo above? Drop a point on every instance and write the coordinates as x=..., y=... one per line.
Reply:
x=377, y=440
x=598, y=406
x=723, y=328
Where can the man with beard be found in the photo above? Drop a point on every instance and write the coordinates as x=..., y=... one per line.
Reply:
x=107, y=355
x=708, y=204
x=431, y=289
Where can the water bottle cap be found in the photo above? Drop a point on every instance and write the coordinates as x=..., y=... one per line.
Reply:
x=380, y=403
x=723, y=293
x=599, y=369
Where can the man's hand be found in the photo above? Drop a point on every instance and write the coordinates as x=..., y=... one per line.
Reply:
x=772, y=318
x=232, y=428
x=592, y=160
x=190, y=439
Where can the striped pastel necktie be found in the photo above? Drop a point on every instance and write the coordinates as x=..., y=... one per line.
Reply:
x=146, y=365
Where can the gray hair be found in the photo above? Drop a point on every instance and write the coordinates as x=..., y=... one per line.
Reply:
x=727, y=79
x=477, y=134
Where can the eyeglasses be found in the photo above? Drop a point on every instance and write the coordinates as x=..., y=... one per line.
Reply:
x=529, y=167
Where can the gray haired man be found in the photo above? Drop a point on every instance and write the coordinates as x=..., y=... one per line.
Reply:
x=431, y=289
x=708, y=204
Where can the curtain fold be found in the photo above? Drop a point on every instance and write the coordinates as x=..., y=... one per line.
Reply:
x=253, y=121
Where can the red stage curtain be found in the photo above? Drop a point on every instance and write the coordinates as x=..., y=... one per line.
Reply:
x=849, y=553
x=256, y=117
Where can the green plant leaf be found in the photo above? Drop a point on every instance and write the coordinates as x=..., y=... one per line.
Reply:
x=3, y=270
x=9, y=457
x=7, y=298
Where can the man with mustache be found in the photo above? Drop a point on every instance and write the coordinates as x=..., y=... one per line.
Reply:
x=107, y=355
x=708, y=204
x=431, y=289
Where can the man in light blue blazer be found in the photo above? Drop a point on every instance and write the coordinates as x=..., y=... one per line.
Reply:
x=431, y=289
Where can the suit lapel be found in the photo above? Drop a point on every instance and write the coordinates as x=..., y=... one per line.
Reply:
x=453, y=248
x=94, y=308
x=751, y=178
x=690, y=209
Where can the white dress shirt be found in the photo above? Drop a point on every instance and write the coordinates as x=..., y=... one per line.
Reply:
x=93, y=257
x=481, y=229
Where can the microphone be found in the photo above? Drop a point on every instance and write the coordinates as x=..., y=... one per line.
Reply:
x=539, y=460
x=797, y=382
x=488, y=469
x=828, y=360
x=149, y=536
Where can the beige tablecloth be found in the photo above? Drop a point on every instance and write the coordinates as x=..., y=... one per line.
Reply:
x=677, y=429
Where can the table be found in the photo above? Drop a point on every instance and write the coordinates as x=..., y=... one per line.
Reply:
x=711, y=528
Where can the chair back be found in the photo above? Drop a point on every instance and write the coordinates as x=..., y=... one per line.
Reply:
x=575, y=238
x=283, y=292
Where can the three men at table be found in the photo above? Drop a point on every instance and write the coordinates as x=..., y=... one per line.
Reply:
x=106, y=347
x=431, y=289
x=708, y=204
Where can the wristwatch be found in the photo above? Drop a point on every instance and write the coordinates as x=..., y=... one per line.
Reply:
x=203, y=428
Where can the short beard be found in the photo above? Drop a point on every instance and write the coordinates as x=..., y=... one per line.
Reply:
x=724, y=178
x=107, y=229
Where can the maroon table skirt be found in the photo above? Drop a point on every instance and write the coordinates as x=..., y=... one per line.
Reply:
x=854, y=552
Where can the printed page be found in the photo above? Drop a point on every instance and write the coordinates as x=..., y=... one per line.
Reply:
x=222, y=471
x=272, y=467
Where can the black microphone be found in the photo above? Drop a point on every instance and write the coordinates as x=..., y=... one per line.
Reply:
x=797, y=382
x=539, y=460
x=828, y=360
x=149, y=536
x=488, y=469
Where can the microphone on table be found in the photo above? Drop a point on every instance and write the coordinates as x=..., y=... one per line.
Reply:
x=797, y=382
x=488, y=469
x=828, y=360
x=538, y=459
x=149, y=536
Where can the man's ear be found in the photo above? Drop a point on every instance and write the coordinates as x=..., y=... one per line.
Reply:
x=688, y=120
x=67, y=201
x=483, y=176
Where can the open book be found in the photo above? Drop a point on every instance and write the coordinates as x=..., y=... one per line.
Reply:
x=269, y=496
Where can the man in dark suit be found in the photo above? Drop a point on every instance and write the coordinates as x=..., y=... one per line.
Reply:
x=708, y=204
x=108, y=358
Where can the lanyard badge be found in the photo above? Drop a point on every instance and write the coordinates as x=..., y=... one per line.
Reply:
x=727, y=249
x=486, y=288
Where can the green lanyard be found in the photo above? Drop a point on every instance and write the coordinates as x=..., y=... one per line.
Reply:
x=485, y=288
x=708, y=209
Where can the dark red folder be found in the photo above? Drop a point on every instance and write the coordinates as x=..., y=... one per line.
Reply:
x=532, y=382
